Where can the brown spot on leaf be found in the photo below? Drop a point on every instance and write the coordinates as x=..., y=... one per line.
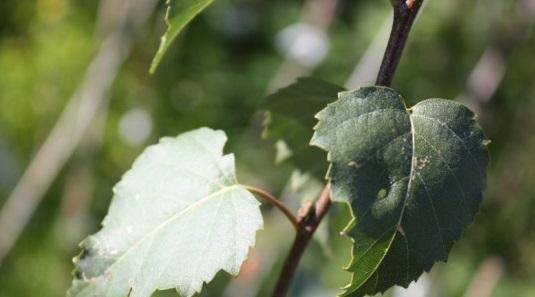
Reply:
x=422, y=162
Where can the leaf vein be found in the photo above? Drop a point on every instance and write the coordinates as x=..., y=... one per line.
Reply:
x=206, y=244
x=457, y=181
x=437, y=223
x=169, y=220
x=211, y=154
x=357, y=118
x=455, y=134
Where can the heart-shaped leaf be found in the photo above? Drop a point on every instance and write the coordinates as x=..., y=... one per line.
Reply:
x=176, y=218
x=412, y=177
x=179, y=14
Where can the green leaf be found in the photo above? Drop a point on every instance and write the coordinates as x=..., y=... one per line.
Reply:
x=176, y=218
x=290, y=119
x=412, y=177
x=179, y=14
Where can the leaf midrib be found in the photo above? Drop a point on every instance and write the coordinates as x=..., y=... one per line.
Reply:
x=461, y=140
x=169, y=220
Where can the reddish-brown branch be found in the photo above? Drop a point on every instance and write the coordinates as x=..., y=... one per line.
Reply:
x=308, y=223
x=405, y=12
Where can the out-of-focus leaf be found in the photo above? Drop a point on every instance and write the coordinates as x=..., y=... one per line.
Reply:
x=412, y=177
x=290, y=119
x=176, y=219
x=179, y=14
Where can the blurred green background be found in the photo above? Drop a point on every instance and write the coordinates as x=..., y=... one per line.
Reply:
x=479, y=52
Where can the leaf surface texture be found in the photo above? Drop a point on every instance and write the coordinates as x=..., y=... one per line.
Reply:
x=412, y=177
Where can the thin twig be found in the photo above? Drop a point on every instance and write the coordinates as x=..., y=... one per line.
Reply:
x=275, y=202
x=308, y=223
x=405, y=12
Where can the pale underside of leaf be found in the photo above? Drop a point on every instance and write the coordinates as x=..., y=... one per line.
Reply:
x=179, y=14
x=412, y=178
x=176, y=219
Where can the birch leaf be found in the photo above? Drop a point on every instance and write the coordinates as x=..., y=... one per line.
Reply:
x=179, y=14
x=413, y=179
x=290, y=121
x=177, y=217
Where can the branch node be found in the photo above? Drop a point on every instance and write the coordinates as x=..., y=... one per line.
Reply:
x=304, y=210
x=410, y=4
x=307, y=226
x=275, y=202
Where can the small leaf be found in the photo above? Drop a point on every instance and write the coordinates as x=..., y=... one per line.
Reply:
x=413, y=179
x=179, y=14
x=176, y=218
x=290, y=119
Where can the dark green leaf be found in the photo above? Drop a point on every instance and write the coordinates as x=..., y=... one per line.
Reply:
x=179, y=14
x=290, y=119
x=176, y=219
x=412, y=177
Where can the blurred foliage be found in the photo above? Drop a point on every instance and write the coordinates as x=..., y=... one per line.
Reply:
x=216, y=75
